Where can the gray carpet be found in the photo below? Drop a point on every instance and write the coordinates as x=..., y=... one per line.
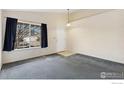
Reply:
x=59, y=67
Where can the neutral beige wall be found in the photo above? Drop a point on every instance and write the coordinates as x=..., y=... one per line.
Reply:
x=99, y=36
x=56, y=34
x=0, y=39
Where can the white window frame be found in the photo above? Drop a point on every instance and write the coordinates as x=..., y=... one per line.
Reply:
x=30, y=23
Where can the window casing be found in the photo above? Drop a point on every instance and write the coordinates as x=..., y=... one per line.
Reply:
x=28, y=35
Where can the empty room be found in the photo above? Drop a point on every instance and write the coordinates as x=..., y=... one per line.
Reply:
x=61, y=44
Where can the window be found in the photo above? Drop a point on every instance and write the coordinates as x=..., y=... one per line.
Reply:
x=27, y=35
x=35, y=36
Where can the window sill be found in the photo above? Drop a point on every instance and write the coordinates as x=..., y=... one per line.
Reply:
x=27, y=48
x=24, y=49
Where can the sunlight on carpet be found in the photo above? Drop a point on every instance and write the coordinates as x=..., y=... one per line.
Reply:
x=66, y=53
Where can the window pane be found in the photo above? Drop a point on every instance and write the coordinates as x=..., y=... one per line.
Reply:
x=22, y=36
x=35, y=36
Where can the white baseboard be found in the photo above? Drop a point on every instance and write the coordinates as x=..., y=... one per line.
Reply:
x=96, y=56
x=6, y=62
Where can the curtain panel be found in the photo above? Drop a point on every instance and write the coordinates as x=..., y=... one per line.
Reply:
x=10, y=34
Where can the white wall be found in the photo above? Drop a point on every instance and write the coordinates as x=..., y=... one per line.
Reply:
x=100, y=36
x=56, y=34
x=0, y=39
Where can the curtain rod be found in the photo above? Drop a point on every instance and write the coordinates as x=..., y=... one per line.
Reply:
x=26, y=21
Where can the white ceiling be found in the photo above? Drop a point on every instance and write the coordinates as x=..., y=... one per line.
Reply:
x=43, y=10
x=75, y=13
x=59, y=10
x=83, y=13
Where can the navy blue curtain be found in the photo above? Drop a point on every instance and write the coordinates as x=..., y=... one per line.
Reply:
x=10, y=34
x=44, y=40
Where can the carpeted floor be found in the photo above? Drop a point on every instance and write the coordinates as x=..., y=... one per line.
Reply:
x=58, y=67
